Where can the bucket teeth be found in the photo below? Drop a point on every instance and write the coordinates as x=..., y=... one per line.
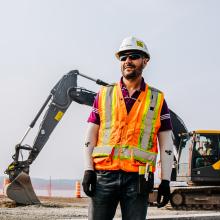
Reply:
x=21, y=190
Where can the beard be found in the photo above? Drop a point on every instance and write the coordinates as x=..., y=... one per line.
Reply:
x=134, y=74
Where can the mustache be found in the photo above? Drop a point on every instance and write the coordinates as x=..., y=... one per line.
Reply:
x=129, y=65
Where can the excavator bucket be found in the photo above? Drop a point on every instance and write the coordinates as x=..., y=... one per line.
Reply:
x=21, y=190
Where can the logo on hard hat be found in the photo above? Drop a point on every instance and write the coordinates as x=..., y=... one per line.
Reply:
x=140, y=43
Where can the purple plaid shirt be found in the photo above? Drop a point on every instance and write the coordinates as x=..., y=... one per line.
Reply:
x=129, y=102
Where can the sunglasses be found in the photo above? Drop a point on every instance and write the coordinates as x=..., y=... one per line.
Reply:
x=132, y=56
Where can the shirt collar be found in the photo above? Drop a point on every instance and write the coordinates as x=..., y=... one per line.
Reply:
x=142, y=88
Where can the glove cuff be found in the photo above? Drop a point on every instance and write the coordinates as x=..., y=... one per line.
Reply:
x=165, y=182
x=91, y=172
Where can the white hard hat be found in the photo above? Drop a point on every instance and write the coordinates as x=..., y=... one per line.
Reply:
x=132, y=43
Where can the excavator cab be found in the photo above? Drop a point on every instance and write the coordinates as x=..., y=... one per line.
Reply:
x=198, y=166
x=205, y=166
x=199, y=157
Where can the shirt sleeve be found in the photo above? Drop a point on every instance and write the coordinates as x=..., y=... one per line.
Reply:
x=166, y=154
x=94, y=115
x=165, y=119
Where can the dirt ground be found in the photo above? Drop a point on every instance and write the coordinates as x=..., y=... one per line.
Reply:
x=58, y=208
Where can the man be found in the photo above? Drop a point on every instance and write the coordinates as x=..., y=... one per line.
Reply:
x=121, y=143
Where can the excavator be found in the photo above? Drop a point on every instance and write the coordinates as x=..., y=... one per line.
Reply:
x=197, y=164
x=199, y=170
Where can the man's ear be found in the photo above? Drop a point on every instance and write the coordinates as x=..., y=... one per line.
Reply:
x=145, y=61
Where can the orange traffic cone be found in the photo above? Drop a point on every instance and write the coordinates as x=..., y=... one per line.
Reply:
x=78, y=190
x=5, y=184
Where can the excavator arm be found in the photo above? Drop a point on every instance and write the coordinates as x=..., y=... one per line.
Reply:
x=64, y=92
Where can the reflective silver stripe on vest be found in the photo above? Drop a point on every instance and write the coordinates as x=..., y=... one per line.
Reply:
x=149, y=119
x=126, y=153
x=108, y=114
x=102, y=151
x=144, y=156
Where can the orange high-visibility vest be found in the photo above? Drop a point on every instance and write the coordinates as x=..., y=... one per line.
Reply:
x=127, y=141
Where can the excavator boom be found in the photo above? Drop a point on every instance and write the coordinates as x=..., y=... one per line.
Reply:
x=64, y=92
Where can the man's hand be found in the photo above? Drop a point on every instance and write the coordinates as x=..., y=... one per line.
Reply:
x=163, y=190
x=89, y=182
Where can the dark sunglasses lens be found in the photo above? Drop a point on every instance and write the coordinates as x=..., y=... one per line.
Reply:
x=135, y=56
x=131, y=56
x=123, y=58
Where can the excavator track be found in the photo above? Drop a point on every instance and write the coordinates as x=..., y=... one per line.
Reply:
x=196, y=197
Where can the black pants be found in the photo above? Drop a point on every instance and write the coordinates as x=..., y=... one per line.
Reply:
x=114, y=187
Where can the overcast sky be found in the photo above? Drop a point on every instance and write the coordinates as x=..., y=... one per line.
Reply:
x=40, y=40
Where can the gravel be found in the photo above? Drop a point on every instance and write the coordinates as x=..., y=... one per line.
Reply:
x=70, y=208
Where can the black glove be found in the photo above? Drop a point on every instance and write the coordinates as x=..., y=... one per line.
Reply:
x=163, y=190
x=89, y=182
